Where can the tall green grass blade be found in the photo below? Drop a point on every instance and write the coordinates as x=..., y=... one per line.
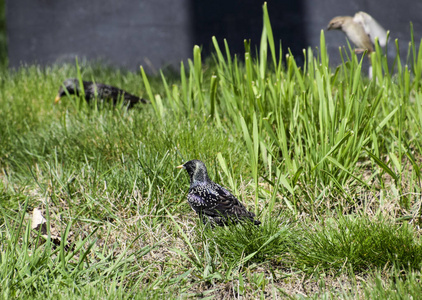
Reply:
x=269, y=35
x=384, y=166
x=149, y=91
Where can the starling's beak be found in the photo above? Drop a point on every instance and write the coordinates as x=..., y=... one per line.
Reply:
x=180, y=167
x=57, y=99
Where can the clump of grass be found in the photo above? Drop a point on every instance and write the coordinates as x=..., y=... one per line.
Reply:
x=394, y=285
x=246, y=243
x=358, y=243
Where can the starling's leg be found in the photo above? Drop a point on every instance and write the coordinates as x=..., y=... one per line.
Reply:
x=209, y=222
x=205, y=221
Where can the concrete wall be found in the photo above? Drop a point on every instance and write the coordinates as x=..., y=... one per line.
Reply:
x=125, y=33
x=157, y=33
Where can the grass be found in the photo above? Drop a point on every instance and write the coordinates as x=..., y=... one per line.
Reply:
x=326, y=158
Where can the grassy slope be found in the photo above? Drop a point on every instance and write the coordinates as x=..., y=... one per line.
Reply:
x=328, y=159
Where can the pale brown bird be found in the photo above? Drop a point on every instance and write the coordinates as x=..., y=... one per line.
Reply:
x=361, y=29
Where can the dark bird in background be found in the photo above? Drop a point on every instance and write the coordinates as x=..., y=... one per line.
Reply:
x=211, y=201
x=99, y=90
x=361, y=29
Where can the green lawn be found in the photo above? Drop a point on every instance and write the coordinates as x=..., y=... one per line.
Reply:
x=327, y=158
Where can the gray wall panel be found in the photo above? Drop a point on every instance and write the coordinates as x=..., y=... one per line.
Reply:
x=156, y=33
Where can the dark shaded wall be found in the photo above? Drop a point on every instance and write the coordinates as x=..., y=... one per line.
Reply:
x=123, y=33
x=237, y=20
x=3, y=36
x=157, y=33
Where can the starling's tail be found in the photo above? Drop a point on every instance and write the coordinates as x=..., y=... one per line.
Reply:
x=134, y=100
x=137, y=99
x=256, y=222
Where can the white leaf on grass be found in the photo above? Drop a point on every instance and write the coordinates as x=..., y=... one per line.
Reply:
x=39, y=224
x=38, y=221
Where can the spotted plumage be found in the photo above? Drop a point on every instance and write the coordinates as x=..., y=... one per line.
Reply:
x=102, y=91
x=211, y=201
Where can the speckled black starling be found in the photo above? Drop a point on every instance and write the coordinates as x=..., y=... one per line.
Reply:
x=211, y=201
x=103, y=91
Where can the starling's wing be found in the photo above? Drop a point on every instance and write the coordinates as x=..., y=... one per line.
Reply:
x=371, y=27
x=357, y=35
x=90, y=89
x=196, y=202
x=94, y=90
x=104, y=91
x=116, y=93
x=132, y=99
x=227, y=205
